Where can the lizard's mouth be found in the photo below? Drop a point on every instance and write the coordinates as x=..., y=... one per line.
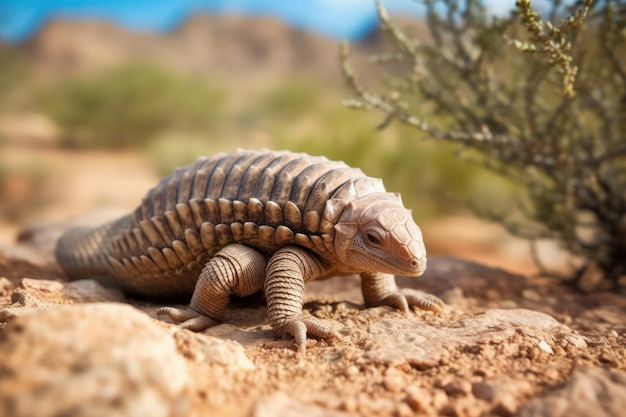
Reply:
x=373, y=261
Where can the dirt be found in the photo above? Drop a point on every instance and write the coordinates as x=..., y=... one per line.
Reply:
x=459, y=363
x=510, y=343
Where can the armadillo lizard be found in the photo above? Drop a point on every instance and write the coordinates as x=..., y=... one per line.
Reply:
x=238, y=223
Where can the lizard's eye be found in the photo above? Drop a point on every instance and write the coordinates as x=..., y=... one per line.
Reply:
x=373, y=238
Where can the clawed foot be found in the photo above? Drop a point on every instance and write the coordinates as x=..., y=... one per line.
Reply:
x=404, y=302
x=300, y=328
x=187, y=318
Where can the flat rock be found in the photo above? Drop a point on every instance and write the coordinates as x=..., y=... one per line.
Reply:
x=396, y=341
x=202, y=348
x=588, y=392
x=37, y=294
x=90, y=360
x=475, y=280
x=37, y=241
x=280, y=404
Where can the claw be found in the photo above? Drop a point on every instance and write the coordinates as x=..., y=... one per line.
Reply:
x=187, y=318
x=404, y=302
x=177, y=314
x=298, y=330
x=426, y=302
x=312, y=326
x=397, y=300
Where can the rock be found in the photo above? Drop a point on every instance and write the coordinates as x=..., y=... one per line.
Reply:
x=398, y=341
x=473, y=279
x=458, y=387
x=496, y=391
x=14, y=267
x=100, y=359
x=6, y=287
x=393, y=383
x=37, y=241
x=588, y=392
x=201, y=348
x=37, y=294
x=505, y=406
x=418, y=399
x=279, y=404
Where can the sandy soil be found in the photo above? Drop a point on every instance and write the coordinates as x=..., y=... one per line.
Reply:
x=385, y=364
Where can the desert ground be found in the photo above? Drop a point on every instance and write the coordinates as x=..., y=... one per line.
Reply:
x=509, y=342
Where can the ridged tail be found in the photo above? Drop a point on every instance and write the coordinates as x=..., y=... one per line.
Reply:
x=81, y=251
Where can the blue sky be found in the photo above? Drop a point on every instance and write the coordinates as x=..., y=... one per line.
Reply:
x=337, y=19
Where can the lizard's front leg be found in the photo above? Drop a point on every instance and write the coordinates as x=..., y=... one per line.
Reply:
x=380, y=289
x=287, y=271
x=235, y=270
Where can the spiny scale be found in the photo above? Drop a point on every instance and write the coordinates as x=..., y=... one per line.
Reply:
x=262, y=199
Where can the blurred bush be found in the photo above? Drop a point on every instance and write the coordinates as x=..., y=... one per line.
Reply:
x=430, y=178
x=14, y=76
x=173, y=119
x=540, y=102
x=284, y=101
x=24, y=188
x=127, y=106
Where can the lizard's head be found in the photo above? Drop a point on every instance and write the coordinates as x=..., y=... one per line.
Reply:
x=377, y=233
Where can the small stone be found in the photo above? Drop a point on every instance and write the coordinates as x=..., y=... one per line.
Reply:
x=551, y=374
x=448, y=410
x=574, y=340
x=458, y=387
x=349, y=405
x=545, y=347
x=493, y=391
x=393, y=383
x=418, y=399
x=351, y=371
x=403, y=410
x=6, y=287
x=440, y=399
x=505, y=406
x=531, y=294
x=483, y=390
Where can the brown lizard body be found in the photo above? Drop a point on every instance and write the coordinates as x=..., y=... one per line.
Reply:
x=248, y=221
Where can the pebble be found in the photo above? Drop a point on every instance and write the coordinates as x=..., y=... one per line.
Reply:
x=506, y=405
x=418, y=399
x=393, y=383
x=545, y=347
x=458, y=387
x=351, y=371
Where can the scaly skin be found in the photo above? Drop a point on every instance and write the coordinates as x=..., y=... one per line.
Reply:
x=239, y=223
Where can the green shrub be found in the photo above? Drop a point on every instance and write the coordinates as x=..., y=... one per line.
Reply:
x=284, y=102
x=429, y=177
x=14, y=75
x=25, y=187
x=540, y=103
x=127, y=106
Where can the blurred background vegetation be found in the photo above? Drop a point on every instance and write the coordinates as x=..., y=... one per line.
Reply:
x=538, y=99
x=174, y=118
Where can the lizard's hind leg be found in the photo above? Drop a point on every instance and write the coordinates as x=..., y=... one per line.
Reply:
x=235, y=270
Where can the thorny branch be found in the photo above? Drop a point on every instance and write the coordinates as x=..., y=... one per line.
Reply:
x=552, y=119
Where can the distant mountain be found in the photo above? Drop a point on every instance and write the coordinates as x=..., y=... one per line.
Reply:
x=205, y=45
x=336, y=19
